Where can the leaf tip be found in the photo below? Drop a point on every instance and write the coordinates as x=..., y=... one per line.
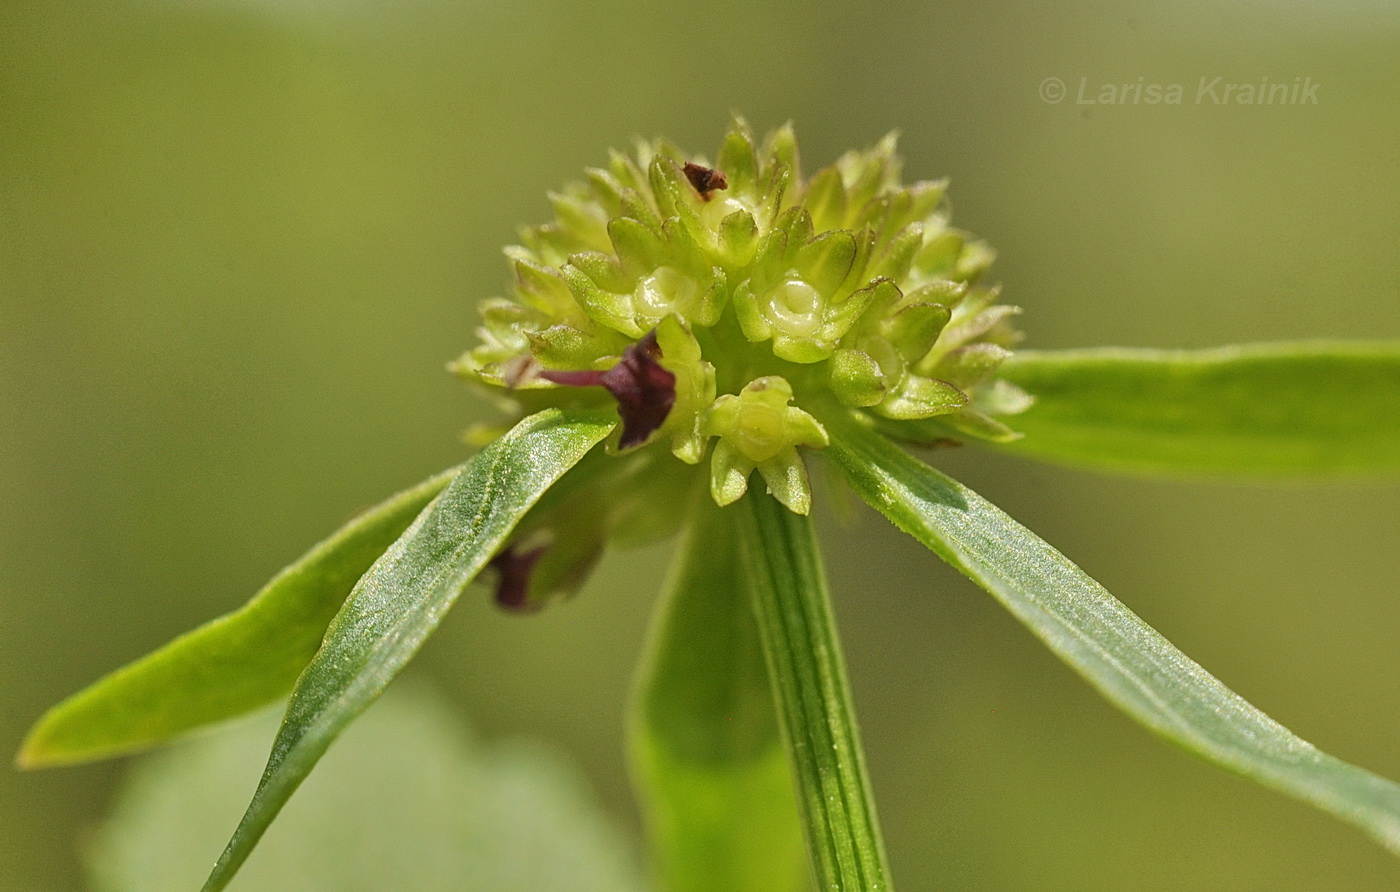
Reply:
x=35, y=753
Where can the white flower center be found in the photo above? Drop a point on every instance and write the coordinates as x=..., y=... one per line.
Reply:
x=795, y=307
x=666, y=290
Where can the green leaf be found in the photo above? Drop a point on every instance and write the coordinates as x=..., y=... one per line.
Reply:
x=232, y=664
x=710, y=767
x=784, y=575
x=403, y=597
x=1128, y=661
x=1302, y=408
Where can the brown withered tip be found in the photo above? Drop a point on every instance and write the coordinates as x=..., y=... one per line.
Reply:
x=704, y=179
x=645, y=392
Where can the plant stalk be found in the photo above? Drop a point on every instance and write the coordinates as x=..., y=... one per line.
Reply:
x=785, y=579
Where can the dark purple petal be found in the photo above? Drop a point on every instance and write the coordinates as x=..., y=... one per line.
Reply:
x=645, y=392
x=515, y=567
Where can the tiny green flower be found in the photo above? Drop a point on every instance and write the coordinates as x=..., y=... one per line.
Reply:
x=740, y=301
x=758, y=429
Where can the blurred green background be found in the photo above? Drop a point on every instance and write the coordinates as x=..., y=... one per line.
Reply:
x=239, y=239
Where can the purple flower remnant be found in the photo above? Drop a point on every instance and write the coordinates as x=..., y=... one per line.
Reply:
x=645, y=392
x=515, y=566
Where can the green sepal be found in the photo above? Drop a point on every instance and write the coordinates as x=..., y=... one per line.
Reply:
x=974, y=260
x=773, y=202
x=607, y=190
x=738, y=239
x=867, y=173
x=1000, y=397
x=568, y=347
x=856, y=378
x=604, y=269
x=751, y=320
x=975, y=318
x=938, y=257
x=980, y=425
x=946, y=292
x=604, y=307
x=677, y=198
x=825, y=261
x=695, y=389
x=899, y=256
x=581, y=219
x=738, y=160
x=918, y=397
x=924, y=198
x=548, y=243
x=729, y=474
x=626, y=171
x=980, y=324
x=542, y=288
x=968, y=366
x=825, y=199
x=687, y=253
x=714, y=300
x=881, y=298
x=639, y=248
x=914, y=329
x=777, y=252
x=785, y=475
x=780, y=151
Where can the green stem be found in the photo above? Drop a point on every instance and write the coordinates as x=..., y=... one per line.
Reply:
x=785, y=579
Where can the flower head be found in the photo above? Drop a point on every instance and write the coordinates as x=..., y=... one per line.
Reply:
x=727, y=306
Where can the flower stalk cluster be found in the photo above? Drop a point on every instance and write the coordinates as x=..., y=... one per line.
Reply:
x=728, y=306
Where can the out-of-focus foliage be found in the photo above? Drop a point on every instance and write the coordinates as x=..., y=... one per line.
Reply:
x=406, y=800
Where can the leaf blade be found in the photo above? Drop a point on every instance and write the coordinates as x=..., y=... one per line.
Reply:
x=788, y=587
x=232, y=664
x=707, y=759
x=1129, y=662
x=1304, y=408
x=403, y=597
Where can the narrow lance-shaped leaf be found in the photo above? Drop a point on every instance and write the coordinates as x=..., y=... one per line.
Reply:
x=1129, y=662
x=785, y=579
x=1266, y=409
x=709, y=764
x=404, y=596
x=230, y=665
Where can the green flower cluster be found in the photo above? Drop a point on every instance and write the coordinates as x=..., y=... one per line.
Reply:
x=739, y=302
